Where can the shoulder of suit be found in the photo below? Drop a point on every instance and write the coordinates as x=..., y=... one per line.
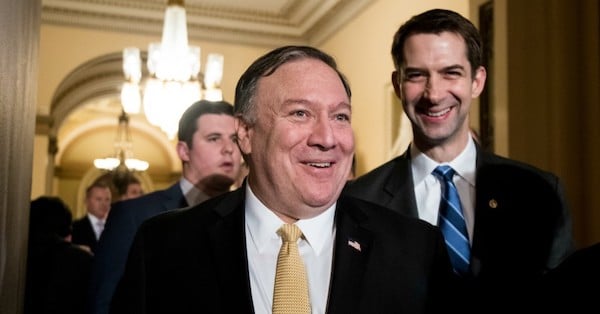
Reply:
x=82, y=220
x=363, y=209
x=152, y=198
x=503, y=165
x=382, y=170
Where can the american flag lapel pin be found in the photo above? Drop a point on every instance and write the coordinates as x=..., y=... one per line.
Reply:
x=355, y=245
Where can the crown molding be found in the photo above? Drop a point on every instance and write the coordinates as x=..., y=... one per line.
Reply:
x=270, y=23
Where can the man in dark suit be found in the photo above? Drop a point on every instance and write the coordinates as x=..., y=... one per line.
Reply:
x=58, y=271
x=210, y=164
x=517, y=221
x=87, y=229
x=293, y=120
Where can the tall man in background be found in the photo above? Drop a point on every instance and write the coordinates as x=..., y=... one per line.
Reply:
x=510, y=223
x=210, y=164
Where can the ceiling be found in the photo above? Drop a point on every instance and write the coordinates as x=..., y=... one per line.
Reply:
x=255, y=22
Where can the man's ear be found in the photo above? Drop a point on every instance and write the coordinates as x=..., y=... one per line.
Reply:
x=478, y=82
x=183, y=151
x=243, y=131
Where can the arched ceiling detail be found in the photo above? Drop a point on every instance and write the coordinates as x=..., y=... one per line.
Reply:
x=84, y=112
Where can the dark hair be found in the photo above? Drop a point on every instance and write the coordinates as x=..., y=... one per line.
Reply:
x=122, y=182
x=188, y=122
x=437, y=21
x=245, y=91
x=50, y=215
x=97, y=184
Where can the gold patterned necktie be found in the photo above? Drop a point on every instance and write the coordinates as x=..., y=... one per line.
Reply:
x=291, y=287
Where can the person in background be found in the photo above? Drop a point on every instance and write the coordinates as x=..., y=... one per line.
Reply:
x=210, y=163
x=87, y=230
x=129, y=187
x=509, y=223
x=293, y=116
x=57, y=270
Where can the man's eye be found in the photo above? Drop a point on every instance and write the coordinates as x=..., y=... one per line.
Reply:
x=342, y=117
x=414, y=76
x=299, y=113
x=453, y=74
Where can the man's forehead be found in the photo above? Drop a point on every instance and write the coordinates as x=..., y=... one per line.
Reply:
x=209, y=118
x=213, y=122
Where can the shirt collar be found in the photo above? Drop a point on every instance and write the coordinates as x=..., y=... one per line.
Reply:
x=192, y=194
x=262, y=223
x=464, y=164
x=93, y=219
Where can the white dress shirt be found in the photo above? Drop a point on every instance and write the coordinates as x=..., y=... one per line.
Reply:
x=192, y=194
x=428, y=189
x=263, y=244
x=97, y=225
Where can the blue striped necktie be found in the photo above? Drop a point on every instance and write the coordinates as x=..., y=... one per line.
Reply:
x=452, y=221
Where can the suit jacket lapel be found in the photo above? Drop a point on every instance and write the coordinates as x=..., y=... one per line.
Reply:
x=400, y=186
x=485, y=191
x=228, y=243
x=352, y=247
x=174, y=198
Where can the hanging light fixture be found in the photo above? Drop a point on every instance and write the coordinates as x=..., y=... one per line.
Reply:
x=123, y=160
x=175, y=80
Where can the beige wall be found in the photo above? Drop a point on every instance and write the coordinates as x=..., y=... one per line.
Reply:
x=40, y=162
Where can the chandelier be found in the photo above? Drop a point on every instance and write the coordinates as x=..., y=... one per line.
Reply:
x=175, y=81
x=123, y=160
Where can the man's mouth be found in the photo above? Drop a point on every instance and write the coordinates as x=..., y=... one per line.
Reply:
x=438, y=113
x=319, y=164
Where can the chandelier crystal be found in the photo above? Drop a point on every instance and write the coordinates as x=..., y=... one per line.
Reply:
x=175, y=80
x=123, y=160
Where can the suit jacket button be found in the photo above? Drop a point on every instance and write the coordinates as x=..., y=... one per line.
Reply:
x=493, y=203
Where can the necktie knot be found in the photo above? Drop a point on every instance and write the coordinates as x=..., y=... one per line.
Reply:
x=290, y=233
x=444, y=172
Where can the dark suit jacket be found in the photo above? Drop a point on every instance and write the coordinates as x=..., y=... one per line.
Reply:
x=194, y=261
x=522, y=223
x=83, y=233
x=122, y=223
